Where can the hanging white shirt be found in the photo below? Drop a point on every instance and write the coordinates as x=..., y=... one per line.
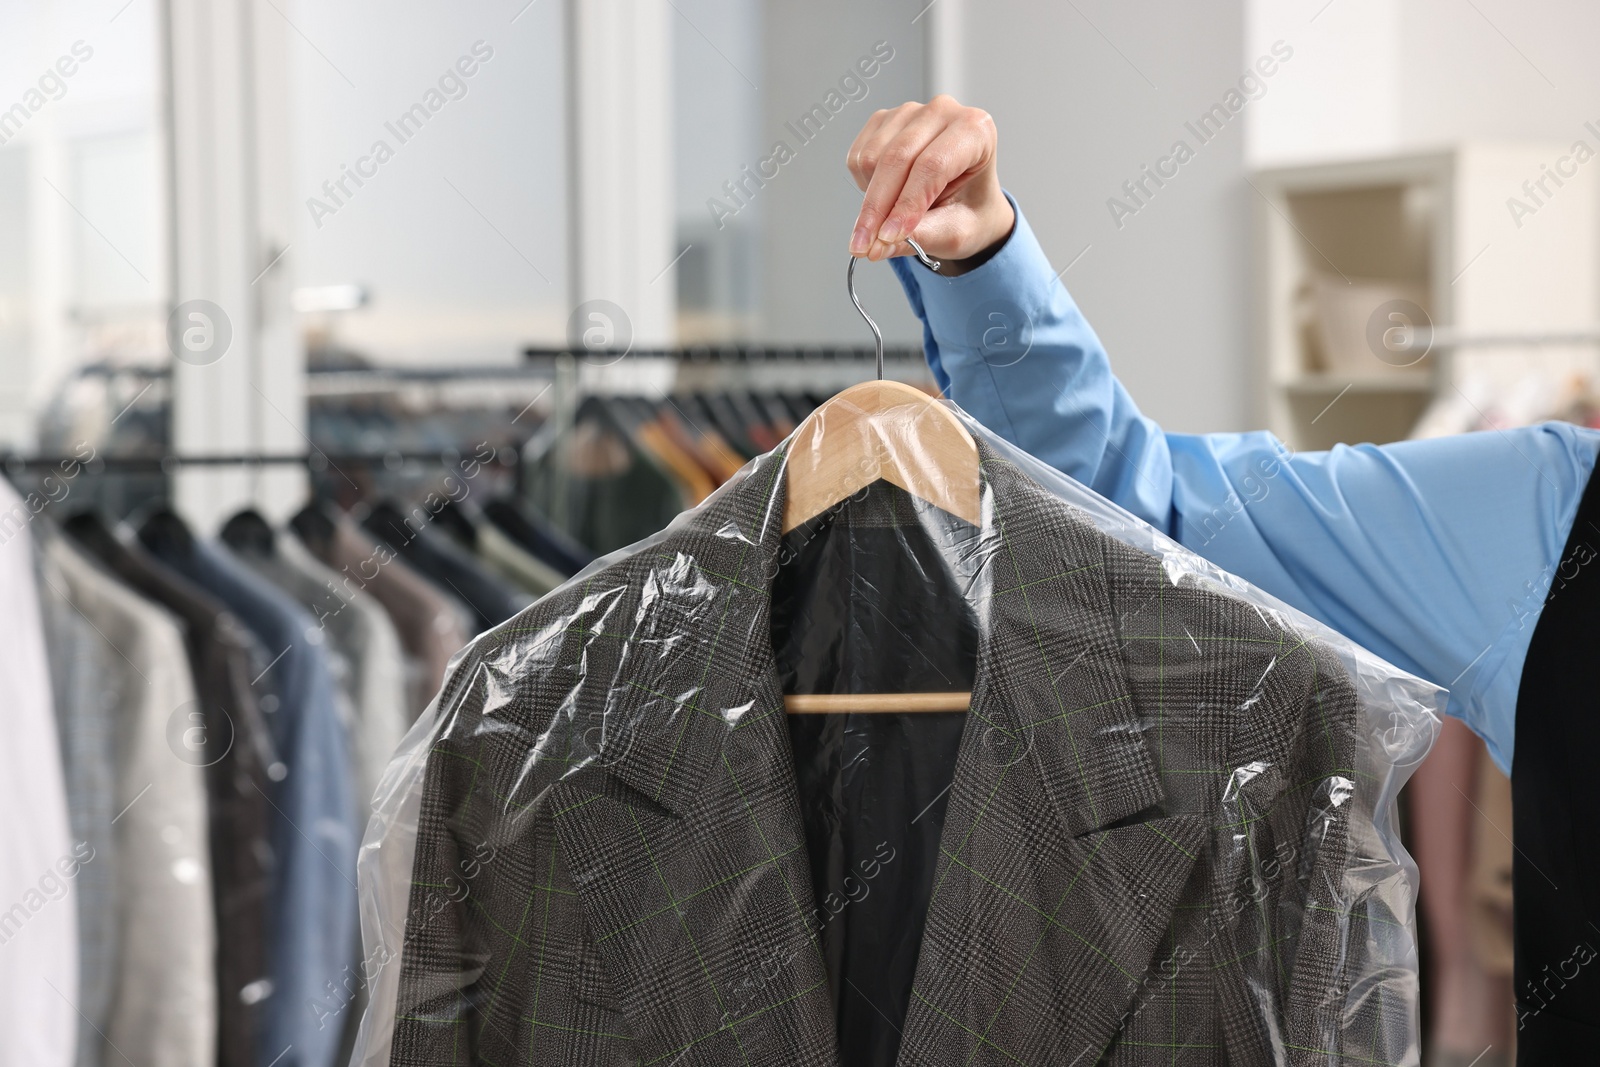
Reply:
x=38, y=860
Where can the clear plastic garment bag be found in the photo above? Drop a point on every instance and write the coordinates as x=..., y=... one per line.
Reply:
x=901, y=748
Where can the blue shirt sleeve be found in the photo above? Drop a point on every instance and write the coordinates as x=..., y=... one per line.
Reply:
x=1434, y=554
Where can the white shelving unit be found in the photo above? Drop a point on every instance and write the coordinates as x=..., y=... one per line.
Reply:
x=1501, y=289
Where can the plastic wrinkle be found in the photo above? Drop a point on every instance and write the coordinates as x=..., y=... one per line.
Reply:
x=1167, y=821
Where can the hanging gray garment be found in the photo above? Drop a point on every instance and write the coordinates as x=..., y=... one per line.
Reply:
x=432, y=625
x=369, y=668
x=162, y=1006
x=82, y=678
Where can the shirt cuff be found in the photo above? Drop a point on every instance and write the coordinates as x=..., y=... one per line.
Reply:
x=994, y=304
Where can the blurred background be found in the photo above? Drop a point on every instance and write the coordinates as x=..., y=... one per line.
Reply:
x=258, y=252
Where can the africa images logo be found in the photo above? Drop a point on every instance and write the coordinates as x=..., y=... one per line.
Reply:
x=199, y=332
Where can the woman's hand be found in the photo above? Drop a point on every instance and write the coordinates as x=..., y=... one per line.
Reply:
x=929, y=171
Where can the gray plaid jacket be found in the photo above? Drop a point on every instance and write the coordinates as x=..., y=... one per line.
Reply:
x=1167, y=858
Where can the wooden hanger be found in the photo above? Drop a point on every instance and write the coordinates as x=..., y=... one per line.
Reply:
x=880, y=430
x=872, y=703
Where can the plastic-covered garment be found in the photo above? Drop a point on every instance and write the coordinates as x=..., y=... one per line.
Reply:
x=1163, y=831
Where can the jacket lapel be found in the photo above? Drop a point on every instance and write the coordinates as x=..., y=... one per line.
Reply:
x=1059, y=870
x=683, y=834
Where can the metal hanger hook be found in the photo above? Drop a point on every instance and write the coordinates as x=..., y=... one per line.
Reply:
x=927, y=261
x=850, y=284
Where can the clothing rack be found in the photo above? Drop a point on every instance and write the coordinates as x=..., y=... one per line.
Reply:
x=550, y=383
x=540, y=364
x=576, y=372
x=317, y=460
x=647, y=370
x=119, y=483
x=1444, y=337
x=734, y=353
x=538, y=361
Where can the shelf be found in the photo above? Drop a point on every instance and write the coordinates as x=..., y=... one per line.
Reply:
x=1419, y=382
x=1496, y=299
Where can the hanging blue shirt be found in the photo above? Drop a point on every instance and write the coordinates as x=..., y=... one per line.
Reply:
x=316, y=831
x=1434, y=554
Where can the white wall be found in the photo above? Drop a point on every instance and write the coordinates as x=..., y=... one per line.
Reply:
x=1511, y=69
x=809, y=207
x=462, y=235
x=83, y=271
x=1344, y=98
x=1386, y=75
x=1085, y=94
x=716, y=78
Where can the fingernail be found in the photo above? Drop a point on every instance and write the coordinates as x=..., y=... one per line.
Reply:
x=891, y=232
x=860, y=241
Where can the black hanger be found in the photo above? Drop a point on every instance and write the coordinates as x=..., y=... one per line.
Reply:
x=695, y=411
x=249, y=532
x=605, y=411
x=162, y=528
x=622, y=414
x=748, y=411
x=727, y=422
x=777, y=410
x=90, y=528
x=455, y=519
x=611, y=413
x=388, y=523
x=316, y=524
x=644, y=409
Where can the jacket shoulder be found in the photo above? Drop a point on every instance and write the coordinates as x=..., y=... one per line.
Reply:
x=1255, y=684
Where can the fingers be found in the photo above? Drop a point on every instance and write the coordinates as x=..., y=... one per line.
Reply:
x=951, y=227
x=874, y=137
x=869, y=137
x=948, y=160
x=890, y=157
x=911, y=160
